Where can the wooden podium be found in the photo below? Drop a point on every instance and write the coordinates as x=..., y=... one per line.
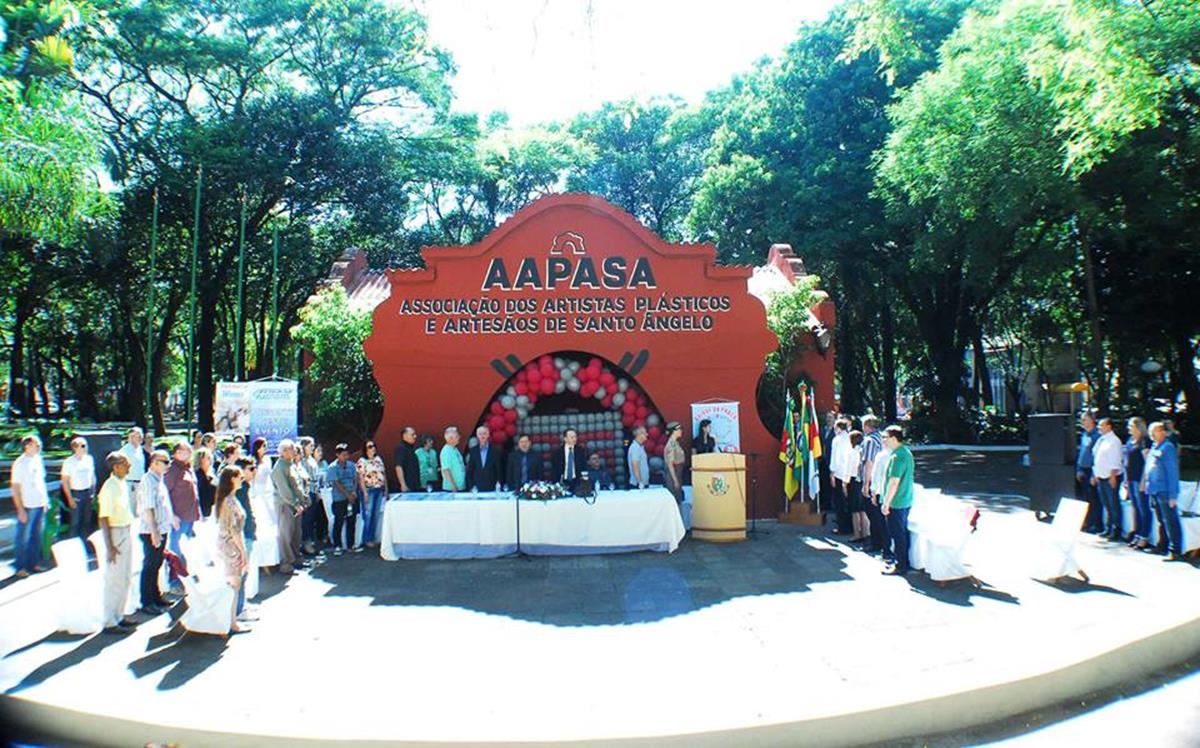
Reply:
x=719, y=497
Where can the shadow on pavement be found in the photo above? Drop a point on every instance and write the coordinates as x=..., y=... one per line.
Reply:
x=1074, y=586
x=596, y=590
x=958, y=592
x=188, y=655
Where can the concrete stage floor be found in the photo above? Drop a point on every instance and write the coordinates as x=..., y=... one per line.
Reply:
x=789, y=638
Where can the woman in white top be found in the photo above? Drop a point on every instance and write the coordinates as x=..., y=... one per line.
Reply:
x=30, y=500
x=262, y=498
x=79, y=488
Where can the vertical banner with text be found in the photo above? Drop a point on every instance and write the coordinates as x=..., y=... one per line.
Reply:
x=231, y=408
x=273, y=412
x=725, y=426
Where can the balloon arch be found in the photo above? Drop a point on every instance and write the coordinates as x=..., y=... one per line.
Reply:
x=598, y=385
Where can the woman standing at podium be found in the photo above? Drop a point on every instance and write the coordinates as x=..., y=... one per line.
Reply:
x=705, y=442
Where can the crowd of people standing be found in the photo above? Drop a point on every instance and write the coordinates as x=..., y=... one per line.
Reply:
x=1146, y=465
x=868, y=475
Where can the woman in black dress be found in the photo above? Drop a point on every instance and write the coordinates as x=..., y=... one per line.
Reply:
x=705, y=442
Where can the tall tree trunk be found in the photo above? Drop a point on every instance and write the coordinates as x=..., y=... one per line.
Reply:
x=18, y=386
x=205, y=338
x=1093, y=307
x=887, y=329
x=848, y=356
x=1185, y=351
x=983, y=376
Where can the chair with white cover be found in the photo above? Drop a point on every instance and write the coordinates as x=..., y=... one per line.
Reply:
x=1056, y=557
x=80, y=592
x=209, y=596
x=945, y=542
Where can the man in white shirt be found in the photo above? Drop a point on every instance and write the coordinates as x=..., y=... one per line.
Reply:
x=1107, y=470
x=137, y=456
x=30, y=500
x=79, y=488
x=842, y=472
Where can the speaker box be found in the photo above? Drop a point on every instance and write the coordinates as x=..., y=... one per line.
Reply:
x=1048, y=484
x=1051, y=439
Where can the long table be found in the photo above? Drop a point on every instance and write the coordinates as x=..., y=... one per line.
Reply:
x=483, y=525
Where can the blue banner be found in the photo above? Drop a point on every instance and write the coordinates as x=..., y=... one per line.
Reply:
x=273, y=413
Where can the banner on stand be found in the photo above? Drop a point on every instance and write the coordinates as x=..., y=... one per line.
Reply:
x=231, y=408
x=725, y=425
x=273, y=412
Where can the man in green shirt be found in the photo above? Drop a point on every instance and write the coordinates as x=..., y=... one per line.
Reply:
x=898, y=497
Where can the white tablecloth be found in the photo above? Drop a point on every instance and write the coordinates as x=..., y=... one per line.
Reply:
x=484, y=525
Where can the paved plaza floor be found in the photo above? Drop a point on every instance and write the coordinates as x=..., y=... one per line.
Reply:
x=789, y=638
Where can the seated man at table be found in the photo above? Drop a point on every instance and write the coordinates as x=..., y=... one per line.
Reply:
x=600, y=475
x=568, y=461
x=523, y=464
x=485, y=463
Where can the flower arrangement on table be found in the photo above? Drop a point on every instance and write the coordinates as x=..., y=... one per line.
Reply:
x=541, y=491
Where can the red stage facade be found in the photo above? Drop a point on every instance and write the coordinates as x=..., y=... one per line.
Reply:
x=571, y=274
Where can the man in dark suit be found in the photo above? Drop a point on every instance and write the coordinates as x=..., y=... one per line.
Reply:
x=523, y=465
x=485, y=464
x=408, y=469
x=568, y=461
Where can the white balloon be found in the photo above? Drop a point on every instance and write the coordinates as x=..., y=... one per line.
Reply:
x=508, y=401
x=511, y=391
x=600, y=393
x=522, y=401
x=573, y=384
x=622, y=384
x=619, y=398
x=575, y=366
x=559, y=363
x=522, y=412
x=653, y=419
x=560, y=387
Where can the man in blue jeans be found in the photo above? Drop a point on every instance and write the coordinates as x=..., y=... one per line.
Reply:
x=897, y=497
x=1161, y=479
x=30, y=499
x=1085, y=489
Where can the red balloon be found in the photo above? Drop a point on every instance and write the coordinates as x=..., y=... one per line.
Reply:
x=510, y=416
x=593, y=363
x=496, y=407
x=500, y=436
x=642, y=412
x=606, y=378
x=654, y=432
x=627, y=420
x=607, y=401
x=587, y=389
x=629, y=408
x=551, y=374
x=547, y=386
x=545, y=361
x=521, y=375
x=511, y=429
x=533, y=396
x=495, y=423
x=521, y=388
x=534, y=376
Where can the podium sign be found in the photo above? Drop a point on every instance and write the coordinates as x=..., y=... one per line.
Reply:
x=719, y=497
x=725, y=423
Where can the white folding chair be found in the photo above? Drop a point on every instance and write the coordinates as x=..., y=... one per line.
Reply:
x=80, y=592
x=1056, y=558
x=209, y=596
x=945, y=543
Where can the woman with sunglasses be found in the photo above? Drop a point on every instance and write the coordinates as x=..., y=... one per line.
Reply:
x=372, y=483
x=231, y=541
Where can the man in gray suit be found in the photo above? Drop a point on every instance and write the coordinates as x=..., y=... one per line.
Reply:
x=290, y=503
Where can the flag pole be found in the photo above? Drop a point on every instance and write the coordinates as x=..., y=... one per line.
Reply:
x=150, y=318
x=191, y=351
x=275, y=302
x=239, y=330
